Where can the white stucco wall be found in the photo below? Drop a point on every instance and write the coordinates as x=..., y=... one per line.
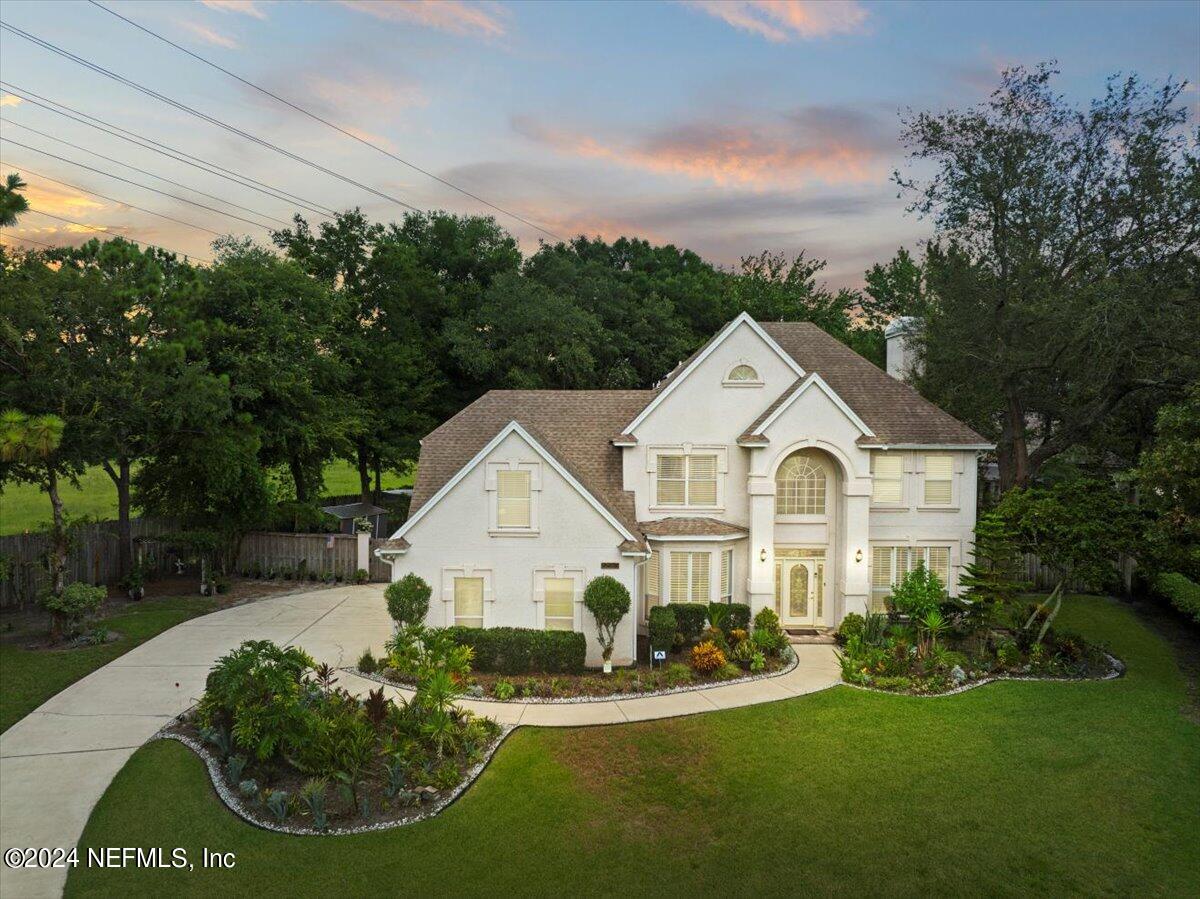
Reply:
x=573, y=539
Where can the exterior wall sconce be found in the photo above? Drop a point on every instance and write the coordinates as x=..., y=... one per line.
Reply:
x=762, y=555
x=858, y=556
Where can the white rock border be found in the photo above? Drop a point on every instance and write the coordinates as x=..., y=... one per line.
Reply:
x=1116, y=669
x=611, y=697
x=242, y=809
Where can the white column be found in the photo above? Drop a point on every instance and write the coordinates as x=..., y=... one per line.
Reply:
x=761, y=549
x=364, y=550
x=856, y=550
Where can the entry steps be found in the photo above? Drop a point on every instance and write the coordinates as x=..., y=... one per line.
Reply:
x=821, y=635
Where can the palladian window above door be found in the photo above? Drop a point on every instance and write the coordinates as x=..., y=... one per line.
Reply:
x=800, y=487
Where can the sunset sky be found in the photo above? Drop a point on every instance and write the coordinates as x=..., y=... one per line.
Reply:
x=724, y=127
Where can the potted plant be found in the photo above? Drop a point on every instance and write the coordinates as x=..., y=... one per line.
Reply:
x=608, y=601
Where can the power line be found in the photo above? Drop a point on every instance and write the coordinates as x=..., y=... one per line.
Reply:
x=147, y=143
x=40, y=243
x=323, y=121
x=113, y=234
x=28, y=171
x=183, y=107
x=144, y=172
x=134, y=183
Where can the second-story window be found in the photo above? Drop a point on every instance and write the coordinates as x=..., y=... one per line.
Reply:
x=512, y=499
x=939, y=480
x=687, y=480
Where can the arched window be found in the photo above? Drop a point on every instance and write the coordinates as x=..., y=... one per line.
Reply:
x=743, y=373
x=799, y=487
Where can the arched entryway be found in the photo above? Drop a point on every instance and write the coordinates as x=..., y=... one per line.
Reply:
x=807, y=502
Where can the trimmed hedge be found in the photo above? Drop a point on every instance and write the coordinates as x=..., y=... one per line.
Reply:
x=663, y=626
x=1181, y=592
x=690, y=618
x=739, y=616
x=522, y=650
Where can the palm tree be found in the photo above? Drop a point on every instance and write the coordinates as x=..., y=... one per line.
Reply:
x=12, y=203
x=33, y=440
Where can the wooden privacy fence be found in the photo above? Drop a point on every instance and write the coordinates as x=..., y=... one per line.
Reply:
x=1043, y=577
x=93, y=557
x=279, y=554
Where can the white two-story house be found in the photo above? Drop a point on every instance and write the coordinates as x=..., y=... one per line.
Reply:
x=775, y=467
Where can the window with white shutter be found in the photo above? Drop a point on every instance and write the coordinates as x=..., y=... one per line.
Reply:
x=939, y=478
x=702, y=480
x=727, y=576
x=887, y=478
x=654, y=579
x=687, y=480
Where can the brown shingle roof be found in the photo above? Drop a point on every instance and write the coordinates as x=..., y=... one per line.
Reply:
x=575, y=426
x=890, y=408
x=691, y=527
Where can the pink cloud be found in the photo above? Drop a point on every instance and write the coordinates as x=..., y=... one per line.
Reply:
x=208, y=35
x=455, y=16
x=244, y=7
x=781, y=21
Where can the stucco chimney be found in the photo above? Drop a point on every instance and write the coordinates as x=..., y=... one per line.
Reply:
x=901, y=357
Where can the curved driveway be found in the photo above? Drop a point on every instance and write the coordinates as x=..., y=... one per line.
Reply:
x=56, y=762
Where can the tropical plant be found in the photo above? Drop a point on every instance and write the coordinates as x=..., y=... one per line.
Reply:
x=707, y=657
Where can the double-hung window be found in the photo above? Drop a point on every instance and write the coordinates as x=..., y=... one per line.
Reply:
x=513, y=499
x=889, y=564
x=887, y=478
x=690, y=577
x=560, y=603
x=727, y=576
x=687, y=480
x=468, y=601
x=939, y=480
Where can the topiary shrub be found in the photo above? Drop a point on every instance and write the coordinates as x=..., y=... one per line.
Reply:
x=608, y=601
x=73, y=606
x=691, y=618
x=852, y=626
x=408, y=600
x=707, y=658
x=662, y=627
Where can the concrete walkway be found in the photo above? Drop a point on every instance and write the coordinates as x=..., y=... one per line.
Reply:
x=56, y=762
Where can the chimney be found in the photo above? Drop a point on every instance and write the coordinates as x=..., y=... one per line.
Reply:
x=901, y=355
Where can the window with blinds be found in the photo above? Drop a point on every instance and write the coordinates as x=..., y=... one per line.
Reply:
x=654, y=579
x=687, y=480
x=512, y=499
x=727, y=576
x=939, y=474
x=887, y=481
x=468, y=601
x=690, y=577
x=889, y=564
x=799, y=487
x=560, y=603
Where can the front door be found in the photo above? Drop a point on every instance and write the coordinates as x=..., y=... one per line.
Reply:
x=798, y=585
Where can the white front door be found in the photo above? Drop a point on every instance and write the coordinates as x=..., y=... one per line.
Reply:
x=798, y=587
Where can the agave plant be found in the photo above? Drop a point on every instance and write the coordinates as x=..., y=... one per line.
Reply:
x=933, y=624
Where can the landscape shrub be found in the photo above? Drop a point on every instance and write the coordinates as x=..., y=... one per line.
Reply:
x=519, y=650
x=690, y=618
x=1181, y=592
x=76, y=603
x=361, y=576
x=662, y=627
x=919, y=592
x=408, y=600
x=739, y=617
x=677, y=674
x=609, y=602
x=367, y=663
x=707, y=657
x=852, y=625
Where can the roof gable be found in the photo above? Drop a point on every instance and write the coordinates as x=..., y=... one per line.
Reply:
x=792, y=394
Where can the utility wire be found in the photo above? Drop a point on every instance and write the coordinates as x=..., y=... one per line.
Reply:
x=144, y=172
x=40, y=243
x=89, y=168
x=115, y=234
x=29, y=171
x=147, y=143
x=323, y=121
x=183, y=107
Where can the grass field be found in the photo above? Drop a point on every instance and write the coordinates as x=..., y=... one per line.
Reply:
x=25, y=507
x=1012, y=789
x=28, y=677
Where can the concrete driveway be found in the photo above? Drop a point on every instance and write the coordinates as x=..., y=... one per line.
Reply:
x=57, y=762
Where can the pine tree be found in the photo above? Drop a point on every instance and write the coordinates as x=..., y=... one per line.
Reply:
x=991, y=578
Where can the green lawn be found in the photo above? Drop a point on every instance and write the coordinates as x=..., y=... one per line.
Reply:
x=1012, y=789
x=25, y=507
x=30, y=677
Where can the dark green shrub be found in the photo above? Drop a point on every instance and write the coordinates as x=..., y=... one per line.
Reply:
x=361, y=576
x=1181, y=592
x=608, y=601
x=739, y=617
x=852, y=626
x=690, y=618
x=76, y=603
x=919, y=592
x=367, y=662
x=519, y=650
x=663, y=627
x=408, y=600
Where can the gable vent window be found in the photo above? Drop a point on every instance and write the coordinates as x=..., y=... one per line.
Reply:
x=743, y=373
x=939, y=474
x=512, y=499
x=687, y=480
x=887, y=484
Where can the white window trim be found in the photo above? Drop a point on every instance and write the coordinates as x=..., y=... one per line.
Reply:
x=729, y=381
x=956, y=469
x=905, y=469
x=492, y=487
x=539, y=592
x=806, y=517
x=711, y=585
x=688, y=449
x=489, y=597
x=953, y=561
